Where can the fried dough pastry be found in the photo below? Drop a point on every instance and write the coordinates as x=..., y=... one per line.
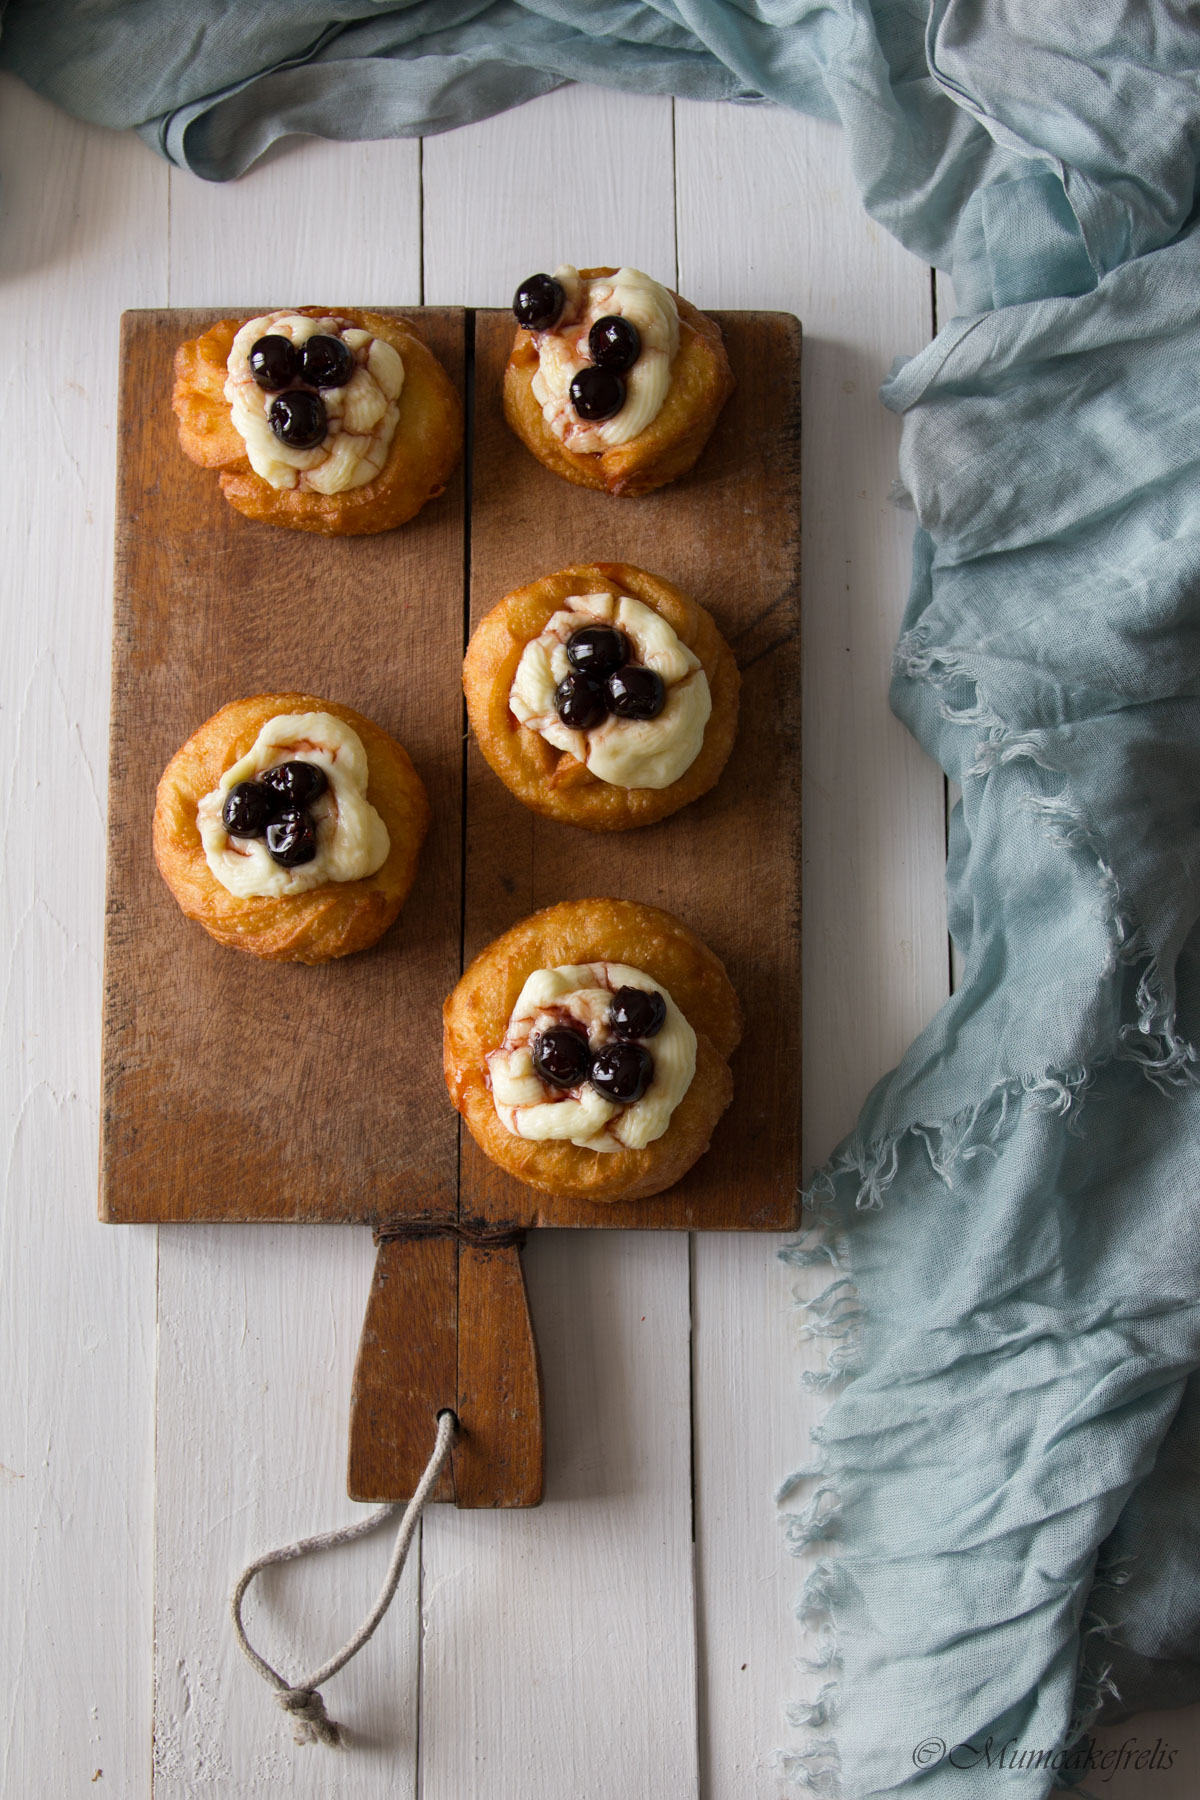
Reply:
x=701, y=382
x=333, y=919
x=423, y=452
x=552, y=781
x=477, y=1015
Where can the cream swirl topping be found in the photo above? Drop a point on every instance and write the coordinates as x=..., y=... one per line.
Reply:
x=352, y=839
x=582, y=994
x=563, y=351
x=630, y=753
x=362, y=416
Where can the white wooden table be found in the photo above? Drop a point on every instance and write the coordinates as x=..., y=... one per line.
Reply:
x=175, y=1399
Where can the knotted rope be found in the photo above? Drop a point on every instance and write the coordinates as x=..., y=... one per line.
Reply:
x=302, y=1699
x=476, y=1237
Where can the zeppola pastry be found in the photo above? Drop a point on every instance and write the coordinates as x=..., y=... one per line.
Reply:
x=613, y=382
x=602, y=695
x=587, y=1049
x=336, y=421
x=289, y=827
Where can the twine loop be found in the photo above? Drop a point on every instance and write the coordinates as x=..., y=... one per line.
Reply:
x=302, y=1699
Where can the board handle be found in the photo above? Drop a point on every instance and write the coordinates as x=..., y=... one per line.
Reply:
x=447, y=1325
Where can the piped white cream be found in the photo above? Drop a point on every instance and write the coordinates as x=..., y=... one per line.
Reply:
x=582, y=993
x=563, y=352
x=629, y=753
x=362, y=416
x=352, y=839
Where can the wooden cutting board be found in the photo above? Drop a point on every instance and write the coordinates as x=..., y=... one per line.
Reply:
x=238, y=1090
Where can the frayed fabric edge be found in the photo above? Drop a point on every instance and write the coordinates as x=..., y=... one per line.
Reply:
x=1165, y=1056
x=815, y=1764
x=1094, y=1683
x=1097, y=1629
x=916, y=659
x=833, y=1316
x=836, y=1314
x=974, y=1131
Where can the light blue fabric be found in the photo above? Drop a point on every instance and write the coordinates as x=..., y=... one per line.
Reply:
x=1013, y=1224
x=1026, y=1252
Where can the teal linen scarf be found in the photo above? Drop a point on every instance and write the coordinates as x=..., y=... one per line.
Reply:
x=1010, y=1463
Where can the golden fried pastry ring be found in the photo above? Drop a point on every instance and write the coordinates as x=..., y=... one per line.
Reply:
x=424, y=449
x=581, y=931
x=701, y=382
x=552, y=781
x=332, y=920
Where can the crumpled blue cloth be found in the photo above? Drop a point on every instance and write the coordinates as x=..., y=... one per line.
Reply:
x=1012, y=1464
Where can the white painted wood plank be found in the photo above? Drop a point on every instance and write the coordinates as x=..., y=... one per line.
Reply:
x=944, y=309
x=559, y=1653
x=583, y=176
x=84, y=232
x=259, y=1326
x=314, y=223
x=559, y=1644
x=768, y=216
x=751, y=1423
x=257, y=1338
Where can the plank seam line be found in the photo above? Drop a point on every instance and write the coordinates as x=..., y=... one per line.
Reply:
x=674, y=197
x=468, y=493
x=421, y=218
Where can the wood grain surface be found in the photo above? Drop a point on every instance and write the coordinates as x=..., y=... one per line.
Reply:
x=447, y=1326
x=407, y=1369
x=238, y=1090
x=728, y=865
x=499, y=1456
x=233, y=1088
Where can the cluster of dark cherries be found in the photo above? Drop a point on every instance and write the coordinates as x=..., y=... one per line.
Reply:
x=620, y=1071
x=275, y=807
x=598, y=391
x=602, y=680
x=293, y=372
